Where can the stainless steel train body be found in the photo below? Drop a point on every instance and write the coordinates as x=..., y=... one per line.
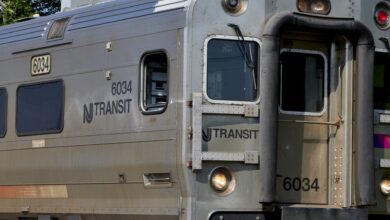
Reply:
x=184, y=109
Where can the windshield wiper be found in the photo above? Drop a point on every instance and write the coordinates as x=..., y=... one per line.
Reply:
x=246, y=52
x=385, y=40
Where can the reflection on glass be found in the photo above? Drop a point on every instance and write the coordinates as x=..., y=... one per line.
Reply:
x=39, y=108
x=229, y=73
x=156, y=82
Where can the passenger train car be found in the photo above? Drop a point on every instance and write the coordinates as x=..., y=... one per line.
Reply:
x=197, y=110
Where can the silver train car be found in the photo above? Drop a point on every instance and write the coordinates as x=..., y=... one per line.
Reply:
x=197, y=110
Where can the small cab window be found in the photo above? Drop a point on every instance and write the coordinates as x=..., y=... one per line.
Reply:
x=57, y=29
x=154, y=83
x=39, y=108
x=382, y=81
x=232, y=70
x=303, y=82
x=3, y=112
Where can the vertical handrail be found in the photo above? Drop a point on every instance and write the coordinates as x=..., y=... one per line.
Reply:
x=197, y=131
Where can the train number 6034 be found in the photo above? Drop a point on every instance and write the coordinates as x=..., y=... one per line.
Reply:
x=300, y=184
x=40, y=65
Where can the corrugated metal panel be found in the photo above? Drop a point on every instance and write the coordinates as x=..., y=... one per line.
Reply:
x=22, y=31
x=99, y=14
x=122, y=10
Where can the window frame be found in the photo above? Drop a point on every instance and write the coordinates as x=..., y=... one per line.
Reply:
x=21, y=134
x=326, y=83
x=205, y=73
x=5, y=112
x=379, y=110
x=63, y=29
x=142, y=82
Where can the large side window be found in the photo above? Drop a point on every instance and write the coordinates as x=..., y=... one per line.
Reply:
x=232, y=70
x=40, y=108
x=303, y=82
x=3, y=112
x=382, y=81
x=154, y=83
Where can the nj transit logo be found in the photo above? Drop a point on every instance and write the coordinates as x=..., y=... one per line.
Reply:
x=222, y=133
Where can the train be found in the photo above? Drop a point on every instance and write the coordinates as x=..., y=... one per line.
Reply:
x=197, y=110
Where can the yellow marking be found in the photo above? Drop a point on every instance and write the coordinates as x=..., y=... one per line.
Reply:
x=34, y=192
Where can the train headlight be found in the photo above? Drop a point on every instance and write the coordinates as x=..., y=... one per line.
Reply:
x=222, y=181
x=235, y=7
x=385, y=187
x=382, y=15
x=314, y=6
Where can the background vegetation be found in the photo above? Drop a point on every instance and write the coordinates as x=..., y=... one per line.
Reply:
x=14, y=10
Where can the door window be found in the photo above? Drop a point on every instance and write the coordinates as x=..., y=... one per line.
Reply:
x=303, y=82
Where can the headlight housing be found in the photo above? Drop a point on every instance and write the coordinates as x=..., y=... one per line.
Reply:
x=235, y=7
x=314, y=6
x=222, y=181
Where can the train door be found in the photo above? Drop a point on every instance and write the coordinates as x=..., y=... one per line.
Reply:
x=310, y=120
x=382, y=129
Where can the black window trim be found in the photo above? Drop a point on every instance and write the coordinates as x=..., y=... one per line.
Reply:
x=378, y=111
x=205, y=50
x=141, y=92
x=5, y=112
x=19, y=134
x=326, y=83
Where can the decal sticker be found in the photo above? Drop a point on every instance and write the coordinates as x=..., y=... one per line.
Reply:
x=110, y=107
x=300, y=184
x=222, y=133
x=381, y=141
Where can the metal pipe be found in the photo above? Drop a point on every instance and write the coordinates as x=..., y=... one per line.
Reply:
x=327, y=123
x=269, y=96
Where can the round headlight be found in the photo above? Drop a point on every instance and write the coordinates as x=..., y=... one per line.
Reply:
x=382, y=15
x=222, y=181
x=318, y=6
x=314, y=6
x=235, y=7
x=219, y=181
x=385, y=187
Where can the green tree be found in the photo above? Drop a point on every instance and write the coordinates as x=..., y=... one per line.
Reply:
x=46, y=7
x=12, y=10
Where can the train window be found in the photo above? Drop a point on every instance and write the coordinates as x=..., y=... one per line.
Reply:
x=303, y=82
x=39, y=108
x=57, y=29
x=3, y=112
x=232, y=70
x=154, y=83
x=382, y=81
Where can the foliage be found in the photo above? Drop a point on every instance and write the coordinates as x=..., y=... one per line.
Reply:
x=46, y=7
x=13, y=10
